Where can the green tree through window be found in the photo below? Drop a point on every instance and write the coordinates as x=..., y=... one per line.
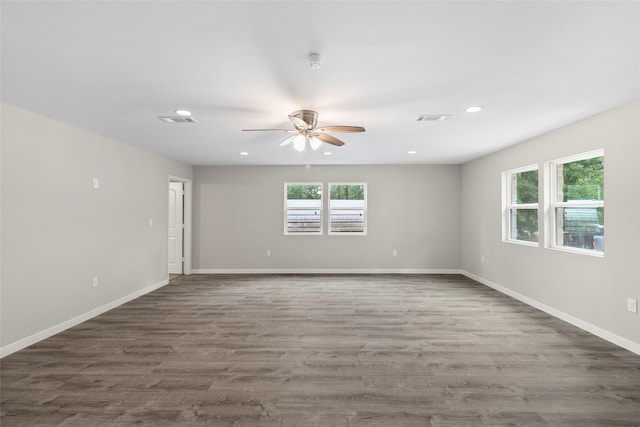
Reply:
x=527, y=219
x=522, y=204
x=304, y=192
x=579, y=207
x=347, y=192
x=347, y=208
x=527, y=187
x=583, y=180
x=303, y=208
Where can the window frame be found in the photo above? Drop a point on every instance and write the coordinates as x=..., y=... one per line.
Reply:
x=508, y=206
x=320, y=232
x=329, y=210
x=552, y=202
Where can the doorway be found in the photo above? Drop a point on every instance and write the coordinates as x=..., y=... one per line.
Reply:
x=179, y=227
x=176, y=228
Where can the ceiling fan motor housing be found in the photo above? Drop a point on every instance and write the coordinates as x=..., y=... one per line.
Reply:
x=310, y=117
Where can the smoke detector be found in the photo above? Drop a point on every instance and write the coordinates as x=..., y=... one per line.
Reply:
x=314, y=60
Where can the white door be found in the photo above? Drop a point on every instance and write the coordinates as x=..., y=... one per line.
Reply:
x=175, y=227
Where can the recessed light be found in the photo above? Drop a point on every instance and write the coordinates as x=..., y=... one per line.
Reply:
x=473, y=109
x=183, y=112
x=327, y=153
x=432, y=117
x=178, y=119
x=244, y=153
x=412, y=152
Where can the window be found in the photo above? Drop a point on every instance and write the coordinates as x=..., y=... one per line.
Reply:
x=576, y=208
x=521, y=207
x=348, y=209
x=303, y=208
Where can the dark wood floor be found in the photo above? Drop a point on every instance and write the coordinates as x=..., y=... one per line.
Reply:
x=382, y=350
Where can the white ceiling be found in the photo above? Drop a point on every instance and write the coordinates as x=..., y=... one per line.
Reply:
x=112, y=67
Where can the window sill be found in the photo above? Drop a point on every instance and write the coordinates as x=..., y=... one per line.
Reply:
x=523, y=243
x=588, y=252
x=304, y=234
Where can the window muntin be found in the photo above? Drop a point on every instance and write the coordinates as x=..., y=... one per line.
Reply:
x=303, y=208
x=348, y=208
x=521, y=208
x=577, y=203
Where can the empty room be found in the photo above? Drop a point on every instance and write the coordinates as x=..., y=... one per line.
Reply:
x=319, y=213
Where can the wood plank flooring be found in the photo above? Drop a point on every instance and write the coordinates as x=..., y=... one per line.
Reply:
x=335, y=351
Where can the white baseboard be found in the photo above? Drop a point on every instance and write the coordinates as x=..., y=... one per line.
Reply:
x=604, y=334
x=324, y=271
x=39, y=336
x=586, y=326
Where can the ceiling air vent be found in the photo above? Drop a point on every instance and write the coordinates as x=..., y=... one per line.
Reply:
x=432, y=117
x=177, y=119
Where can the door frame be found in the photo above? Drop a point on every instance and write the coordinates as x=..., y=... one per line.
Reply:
x=186, y=217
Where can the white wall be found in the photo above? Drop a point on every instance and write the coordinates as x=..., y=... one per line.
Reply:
x=239, y=214
x=58, y=232
x=586, y=290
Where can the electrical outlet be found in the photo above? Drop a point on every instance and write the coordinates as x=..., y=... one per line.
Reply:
x=95, y=282
x=96, y=183
x=268, y=252
x=482, y=259
x=395, y=252
x=632, y=305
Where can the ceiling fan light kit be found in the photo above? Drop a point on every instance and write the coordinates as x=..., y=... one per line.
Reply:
x=305, y=122
x=315, y=143
x=300, y=142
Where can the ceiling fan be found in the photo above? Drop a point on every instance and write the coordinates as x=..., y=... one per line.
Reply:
x=305, y=122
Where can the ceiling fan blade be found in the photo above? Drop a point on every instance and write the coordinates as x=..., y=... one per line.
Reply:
x=341, y=129
x=287, y=141
x=265, y=130
x=298, y=123
x=328, y=139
